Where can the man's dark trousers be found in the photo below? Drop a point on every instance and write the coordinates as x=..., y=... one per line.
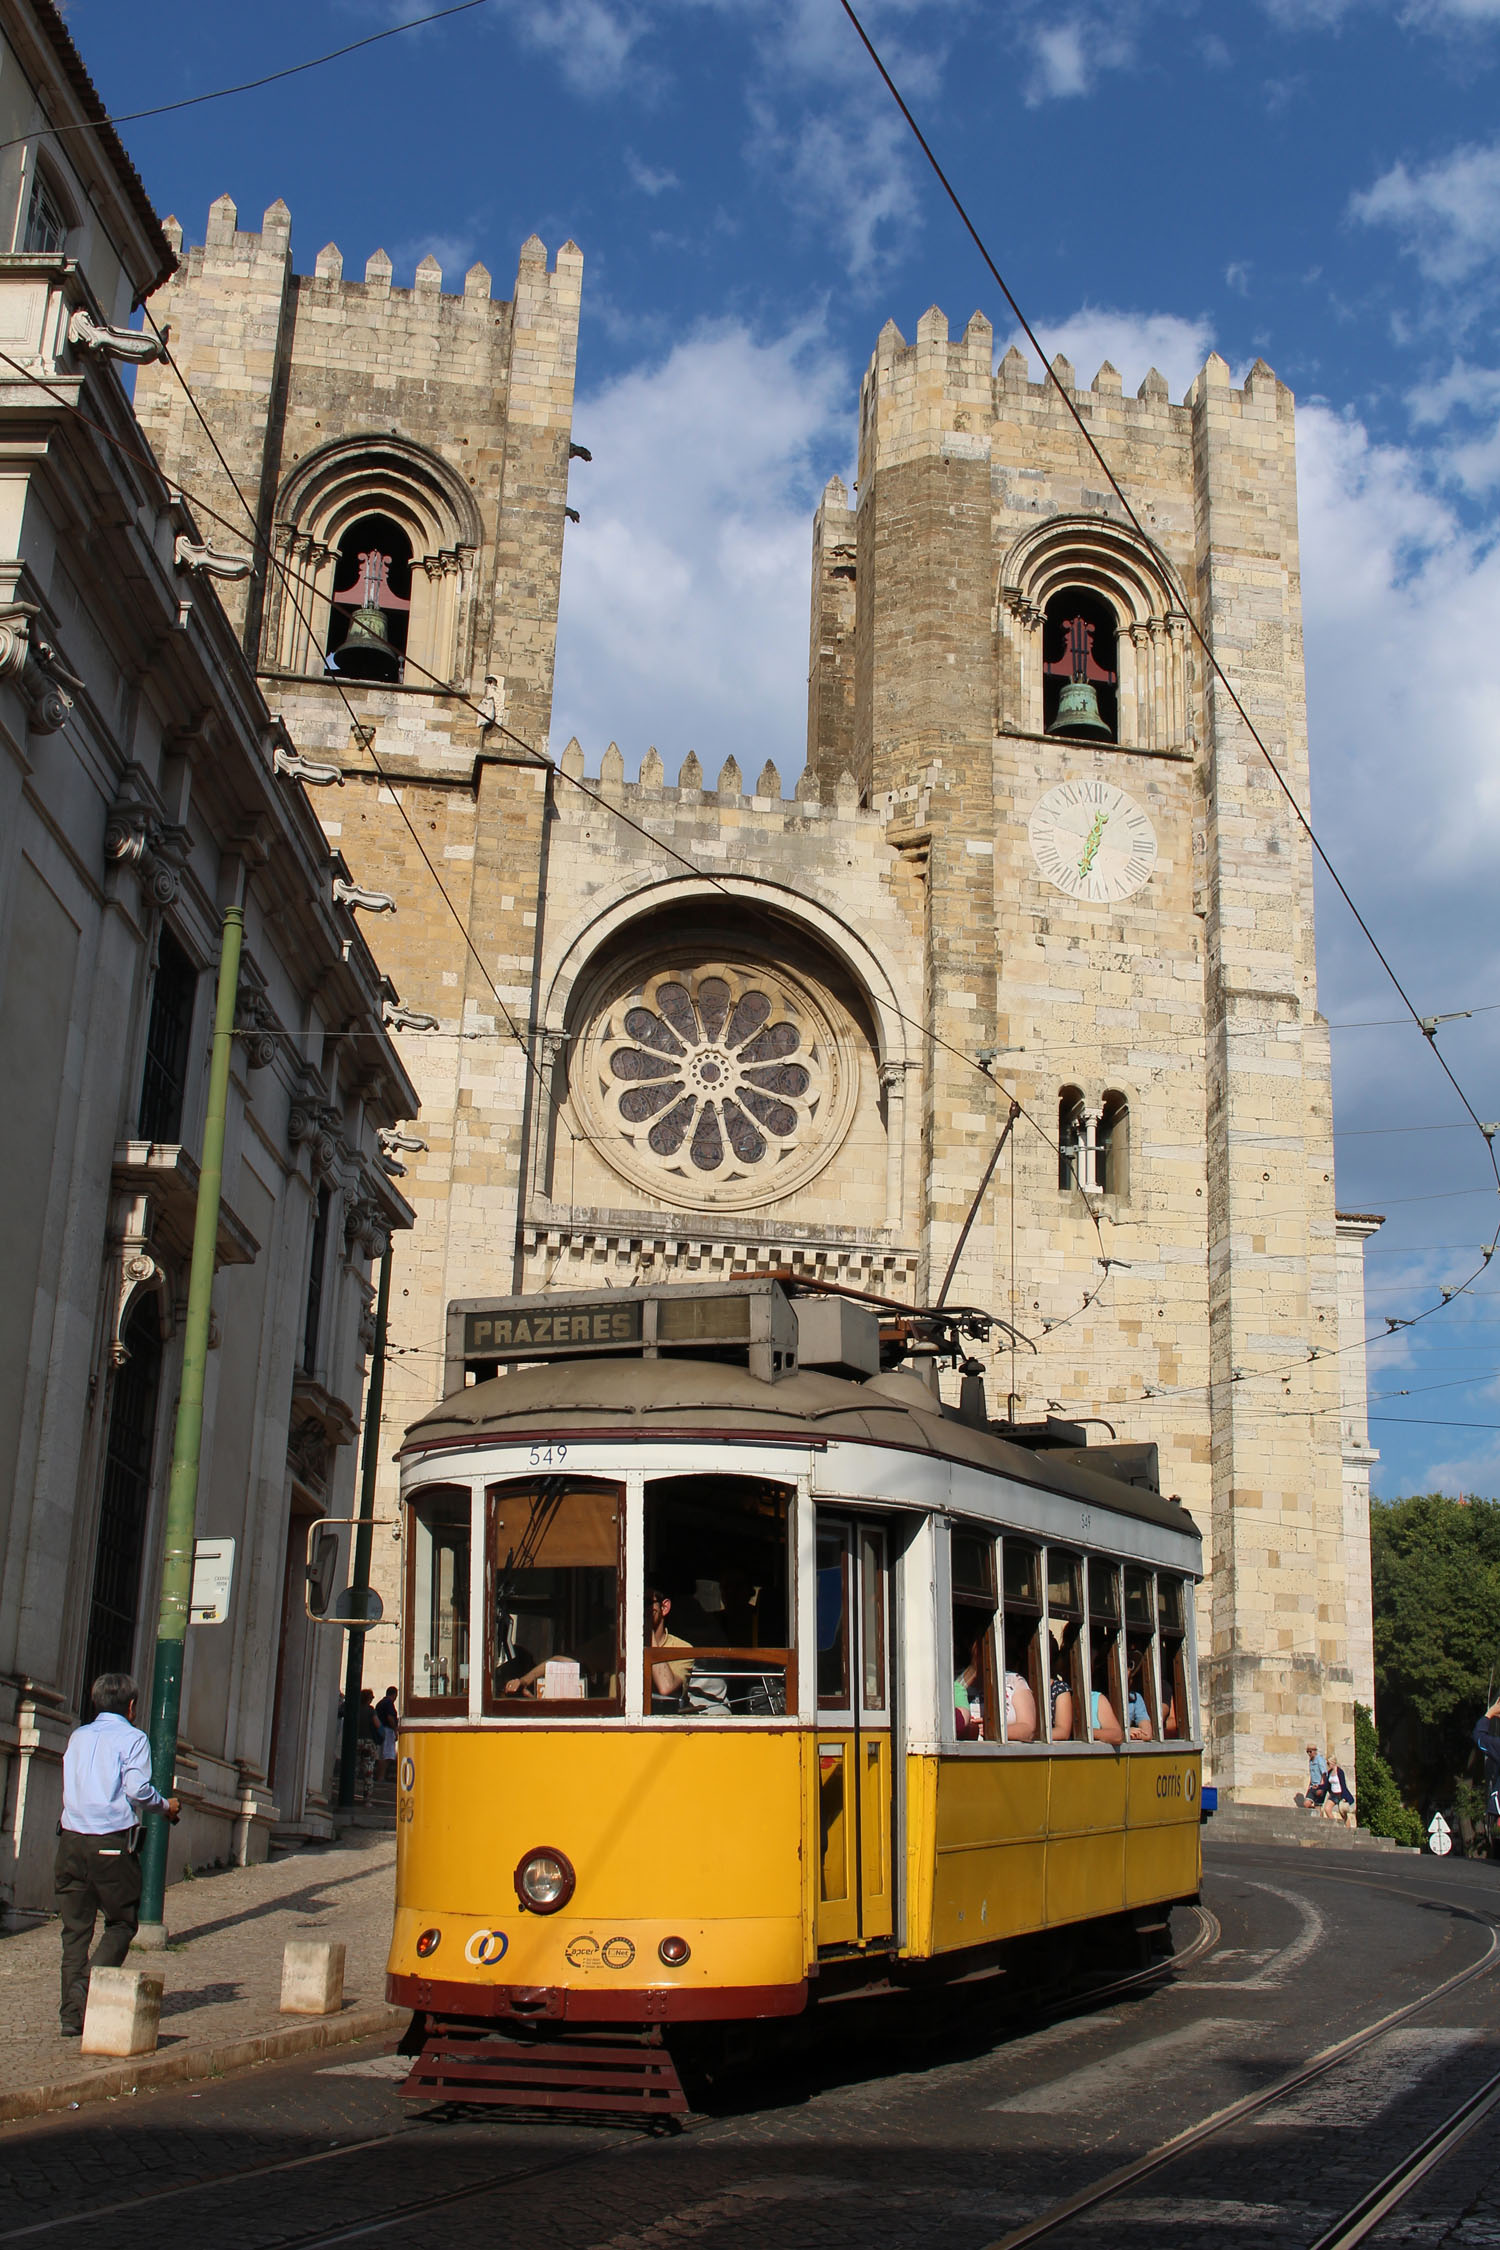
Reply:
x=94, y=1875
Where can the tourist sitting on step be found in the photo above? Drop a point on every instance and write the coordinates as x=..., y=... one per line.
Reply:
x=1317, y=1780
x=1338, y=1801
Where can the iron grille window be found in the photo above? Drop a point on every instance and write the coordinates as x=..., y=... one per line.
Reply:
x=164, y=1083
x=46, y=220
x=126, y=1500
x=319, y=1258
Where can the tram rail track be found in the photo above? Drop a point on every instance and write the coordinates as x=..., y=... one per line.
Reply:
x=1351, y=2228
x=1382, y=2198
x=1160, y=1972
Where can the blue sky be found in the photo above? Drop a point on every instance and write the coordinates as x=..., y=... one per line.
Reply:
x=1315, y=181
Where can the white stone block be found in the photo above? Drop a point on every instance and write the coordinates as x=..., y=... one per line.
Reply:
x=312, y=1977
x=124, y=2010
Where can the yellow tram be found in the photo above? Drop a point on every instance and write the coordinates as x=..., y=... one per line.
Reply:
x=738, y=1670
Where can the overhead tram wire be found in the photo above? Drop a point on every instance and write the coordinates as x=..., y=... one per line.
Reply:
x=925, y=1032
x=261, y=544
x=1171, y=571
x=246, y=86
x=1427, y=1026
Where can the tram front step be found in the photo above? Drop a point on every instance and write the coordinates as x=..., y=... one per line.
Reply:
x=596, y=2076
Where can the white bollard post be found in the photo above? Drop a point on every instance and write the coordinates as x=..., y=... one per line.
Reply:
x=312, y=1977
x=123, y=2012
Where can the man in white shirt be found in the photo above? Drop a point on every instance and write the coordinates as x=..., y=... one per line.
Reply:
x=107, y=1787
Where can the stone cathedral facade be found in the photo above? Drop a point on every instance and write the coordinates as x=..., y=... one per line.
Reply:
x=855, y=956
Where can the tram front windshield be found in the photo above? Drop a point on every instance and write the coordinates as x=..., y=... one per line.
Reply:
x=716, y=1633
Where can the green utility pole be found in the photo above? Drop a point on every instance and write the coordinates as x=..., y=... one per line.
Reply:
x=359, y=1580
x=182, y=1491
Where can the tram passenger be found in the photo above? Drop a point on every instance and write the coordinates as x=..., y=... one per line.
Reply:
x=1060, y=1686
x=1103, y=1720
x=1020, y=1709
x=667, y=1678
x=1137, y=1710
x=968, y=1705
x=1020, y=1696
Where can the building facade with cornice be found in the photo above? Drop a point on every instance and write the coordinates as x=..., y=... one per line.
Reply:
x=740, y=1021
x=143, y=790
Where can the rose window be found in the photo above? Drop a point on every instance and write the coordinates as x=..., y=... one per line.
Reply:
x=716, y=1083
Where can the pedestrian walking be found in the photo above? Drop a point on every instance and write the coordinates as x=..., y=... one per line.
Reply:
x=366, y=1748
x=388, y=1718
x=107, y=1789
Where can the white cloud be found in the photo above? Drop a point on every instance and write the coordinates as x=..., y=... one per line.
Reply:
x=1445, y=214
x=591, y=42
x=1133, y=341
x=685, y=587
x=649, y=180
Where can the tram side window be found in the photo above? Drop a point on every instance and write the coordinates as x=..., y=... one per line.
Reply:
x=1176, y=1717
x=1025, y=1692
x=1140, y=1656
x=976, y=1604
x=718, y=1599
x=1105, y=1650
x=437, y=1599
x=554, y=1611
x=1065, y=1646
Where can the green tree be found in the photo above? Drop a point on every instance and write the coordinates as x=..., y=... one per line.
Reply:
x=1435, y=1565
x=1380, y=1806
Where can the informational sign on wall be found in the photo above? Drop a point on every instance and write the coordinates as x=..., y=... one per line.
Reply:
x=213, y=1574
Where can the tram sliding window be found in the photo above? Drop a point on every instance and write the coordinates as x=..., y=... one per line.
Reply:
x=437, y=1599
x=1025, y=1688
x=1176, y=1718
x=554, y=1597
x=1106, y=1655
x=1140, y=1655
x=717, y=1559
x=976, y=1604
x=1065, y=1689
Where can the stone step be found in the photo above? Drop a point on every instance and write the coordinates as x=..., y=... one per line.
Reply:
x=1276, y=1824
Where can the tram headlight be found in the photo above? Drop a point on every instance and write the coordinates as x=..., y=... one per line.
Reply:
x=545, y=1880
x=674, y=1951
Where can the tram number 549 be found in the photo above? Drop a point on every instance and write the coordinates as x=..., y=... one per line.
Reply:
x=548, y=1456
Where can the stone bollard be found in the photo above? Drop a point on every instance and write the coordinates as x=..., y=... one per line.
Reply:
x=124, y=2009
x=312, y=1978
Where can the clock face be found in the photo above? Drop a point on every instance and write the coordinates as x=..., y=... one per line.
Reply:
x=1092, y=841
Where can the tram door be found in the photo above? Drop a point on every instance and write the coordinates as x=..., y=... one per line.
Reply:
x=854, y=1732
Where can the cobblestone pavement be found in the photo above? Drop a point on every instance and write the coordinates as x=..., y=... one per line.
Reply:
x=903, y=2128
x=226, y=1930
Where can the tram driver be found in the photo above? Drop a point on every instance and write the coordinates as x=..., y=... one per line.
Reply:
x=667, y=1678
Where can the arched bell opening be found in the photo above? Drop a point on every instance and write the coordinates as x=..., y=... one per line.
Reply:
x=371, y=609
x=1080, y=676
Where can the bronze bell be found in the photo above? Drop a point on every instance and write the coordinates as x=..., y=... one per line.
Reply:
x=1077, y=711
x=366, y=652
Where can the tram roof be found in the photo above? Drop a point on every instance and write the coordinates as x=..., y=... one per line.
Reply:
x=678, y=1397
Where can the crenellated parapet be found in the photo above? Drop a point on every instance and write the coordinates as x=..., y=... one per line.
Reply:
x=949, y=388
x=808, y=799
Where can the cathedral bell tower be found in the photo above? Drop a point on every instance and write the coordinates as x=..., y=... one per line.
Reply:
x=1119, y=931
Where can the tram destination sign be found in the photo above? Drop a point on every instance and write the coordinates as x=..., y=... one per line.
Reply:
x=536, y=1333
x=749, y=1322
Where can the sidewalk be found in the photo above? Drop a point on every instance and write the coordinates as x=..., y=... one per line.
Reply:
x=222, y=1965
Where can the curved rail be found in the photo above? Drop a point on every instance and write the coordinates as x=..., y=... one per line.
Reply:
x=1363, y=2217
x=1077, y=2004
x=1129, y=2175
